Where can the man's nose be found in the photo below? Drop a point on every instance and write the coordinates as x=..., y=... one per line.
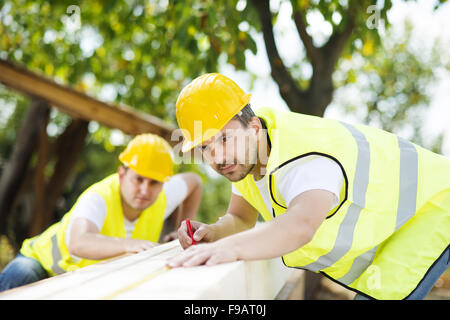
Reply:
x=217, y=154
x=145, y=187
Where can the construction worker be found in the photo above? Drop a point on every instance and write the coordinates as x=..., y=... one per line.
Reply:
x=368, y=209
x=124, y=213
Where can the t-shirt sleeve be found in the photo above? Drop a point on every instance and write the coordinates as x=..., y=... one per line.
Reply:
x=176, y=191
x=315, y=172
x=92, y=207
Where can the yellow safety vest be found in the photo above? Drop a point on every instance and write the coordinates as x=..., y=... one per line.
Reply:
x=49, y=248
x=393, y=221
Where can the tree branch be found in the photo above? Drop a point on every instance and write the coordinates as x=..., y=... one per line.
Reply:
x=290, y=92
x=336, y=43
x=312, y=51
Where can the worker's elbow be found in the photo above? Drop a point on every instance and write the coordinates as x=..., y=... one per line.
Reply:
x=192, y=179
x=196, y=180
x=305, y=232
x=307, y=235
x=73, y=247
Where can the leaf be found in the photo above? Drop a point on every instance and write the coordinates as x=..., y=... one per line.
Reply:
x=368, y=48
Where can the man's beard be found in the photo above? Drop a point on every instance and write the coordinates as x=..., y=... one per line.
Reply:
x=247, y=169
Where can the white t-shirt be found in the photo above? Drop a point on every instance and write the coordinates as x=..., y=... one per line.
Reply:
x=308, y=173
x=92, y=206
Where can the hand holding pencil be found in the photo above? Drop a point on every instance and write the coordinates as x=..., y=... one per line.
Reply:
x=193, y=232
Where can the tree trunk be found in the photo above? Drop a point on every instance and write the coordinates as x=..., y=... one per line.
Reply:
x=13, y=175
x=39, y=176
x=314, y=99
x=67, y=149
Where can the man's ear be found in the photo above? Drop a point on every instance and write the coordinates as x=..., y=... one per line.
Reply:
x=255, y=124
x=121, y=171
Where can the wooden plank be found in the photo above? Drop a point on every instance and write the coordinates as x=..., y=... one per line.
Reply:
x=145, y=276
x=52, y=287
x=78, y=104
x=240, y=280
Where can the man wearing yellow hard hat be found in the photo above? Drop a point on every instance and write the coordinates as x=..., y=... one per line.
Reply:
x=123, y=213
x=364, y=207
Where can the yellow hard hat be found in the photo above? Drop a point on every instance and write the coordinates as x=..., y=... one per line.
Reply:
x=150, y=156
x=211, y=100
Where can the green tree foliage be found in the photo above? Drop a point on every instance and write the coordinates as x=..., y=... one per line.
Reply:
x=144, y=51
x=138, y=53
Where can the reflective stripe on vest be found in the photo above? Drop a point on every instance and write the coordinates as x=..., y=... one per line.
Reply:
x=56, y=255
x=406, y=205
x=405, y=210
x=344, y=237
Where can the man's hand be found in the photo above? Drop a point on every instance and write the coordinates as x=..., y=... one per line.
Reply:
x=202, y=233
x=206, y=253
x=271, y=239
x=136, y=245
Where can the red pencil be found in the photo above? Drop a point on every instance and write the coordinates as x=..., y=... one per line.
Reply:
x=191, y=234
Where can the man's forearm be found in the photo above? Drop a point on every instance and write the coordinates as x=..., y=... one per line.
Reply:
x=286, y=232
x=97, y=246
x=230, y=224
x=272, y=239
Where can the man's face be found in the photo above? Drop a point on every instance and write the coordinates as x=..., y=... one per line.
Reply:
x=233, y=151
x=137, y=191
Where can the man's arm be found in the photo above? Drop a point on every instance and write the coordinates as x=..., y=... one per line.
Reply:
x=275, y=238
x=287, y=232
x=86, y=242
x=240, y=216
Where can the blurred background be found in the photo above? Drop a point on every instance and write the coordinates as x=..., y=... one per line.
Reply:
x=382, y=63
